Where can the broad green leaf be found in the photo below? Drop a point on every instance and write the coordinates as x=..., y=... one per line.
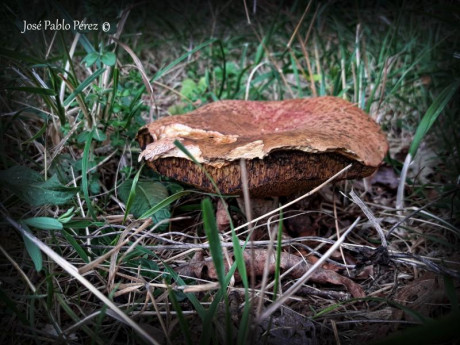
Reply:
x=189, y=89
x=30, y=187
x=109, y=58
x=32, y=249
x=202, y=85
x=91, y=58
x=98, y=135
x=148, y=194
x=44, y=223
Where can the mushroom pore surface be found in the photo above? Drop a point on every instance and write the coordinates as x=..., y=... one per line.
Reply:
x=289, y=146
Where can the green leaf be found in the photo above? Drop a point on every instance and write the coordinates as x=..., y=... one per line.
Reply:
x=202, y=85
x=99, y=135
x=33, y=250
x=147, y=195
x=82, y=224
x=66, y=216
x=189, y=89
x=29, y=186
x=109, y=58
x=91, y=58
x=82, y=137
x=44, y=223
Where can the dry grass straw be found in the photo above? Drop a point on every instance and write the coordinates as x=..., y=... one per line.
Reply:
x=73, y=271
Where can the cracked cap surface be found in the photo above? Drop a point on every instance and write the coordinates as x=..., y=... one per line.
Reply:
x=289, y=146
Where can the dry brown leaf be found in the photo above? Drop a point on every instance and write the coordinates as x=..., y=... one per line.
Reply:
x=204, y=268
x=222, y=217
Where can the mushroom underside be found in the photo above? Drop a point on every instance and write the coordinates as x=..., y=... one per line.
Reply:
x=280, y=173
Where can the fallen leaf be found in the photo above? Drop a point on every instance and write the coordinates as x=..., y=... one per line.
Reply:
x=204, y=268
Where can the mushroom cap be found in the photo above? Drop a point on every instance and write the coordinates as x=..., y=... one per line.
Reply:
x=289, y=146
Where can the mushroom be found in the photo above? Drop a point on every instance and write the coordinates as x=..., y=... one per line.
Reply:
x=288, y=146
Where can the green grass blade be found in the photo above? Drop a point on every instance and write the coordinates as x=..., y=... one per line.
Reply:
x=224, y=69
x=191, y=297
x=68, y=309
x=38, y=134
x=432, y=114
x=15, y=56
x=165, y=70
x=83, y=86
x=210, y=228
x=109, y=109
x=184, y=325
x=170, y=199
x=132, y=194
x=84, y=174
x=79, y=249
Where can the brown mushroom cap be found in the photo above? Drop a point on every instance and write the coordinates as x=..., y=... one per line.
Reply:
x=289, y=146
